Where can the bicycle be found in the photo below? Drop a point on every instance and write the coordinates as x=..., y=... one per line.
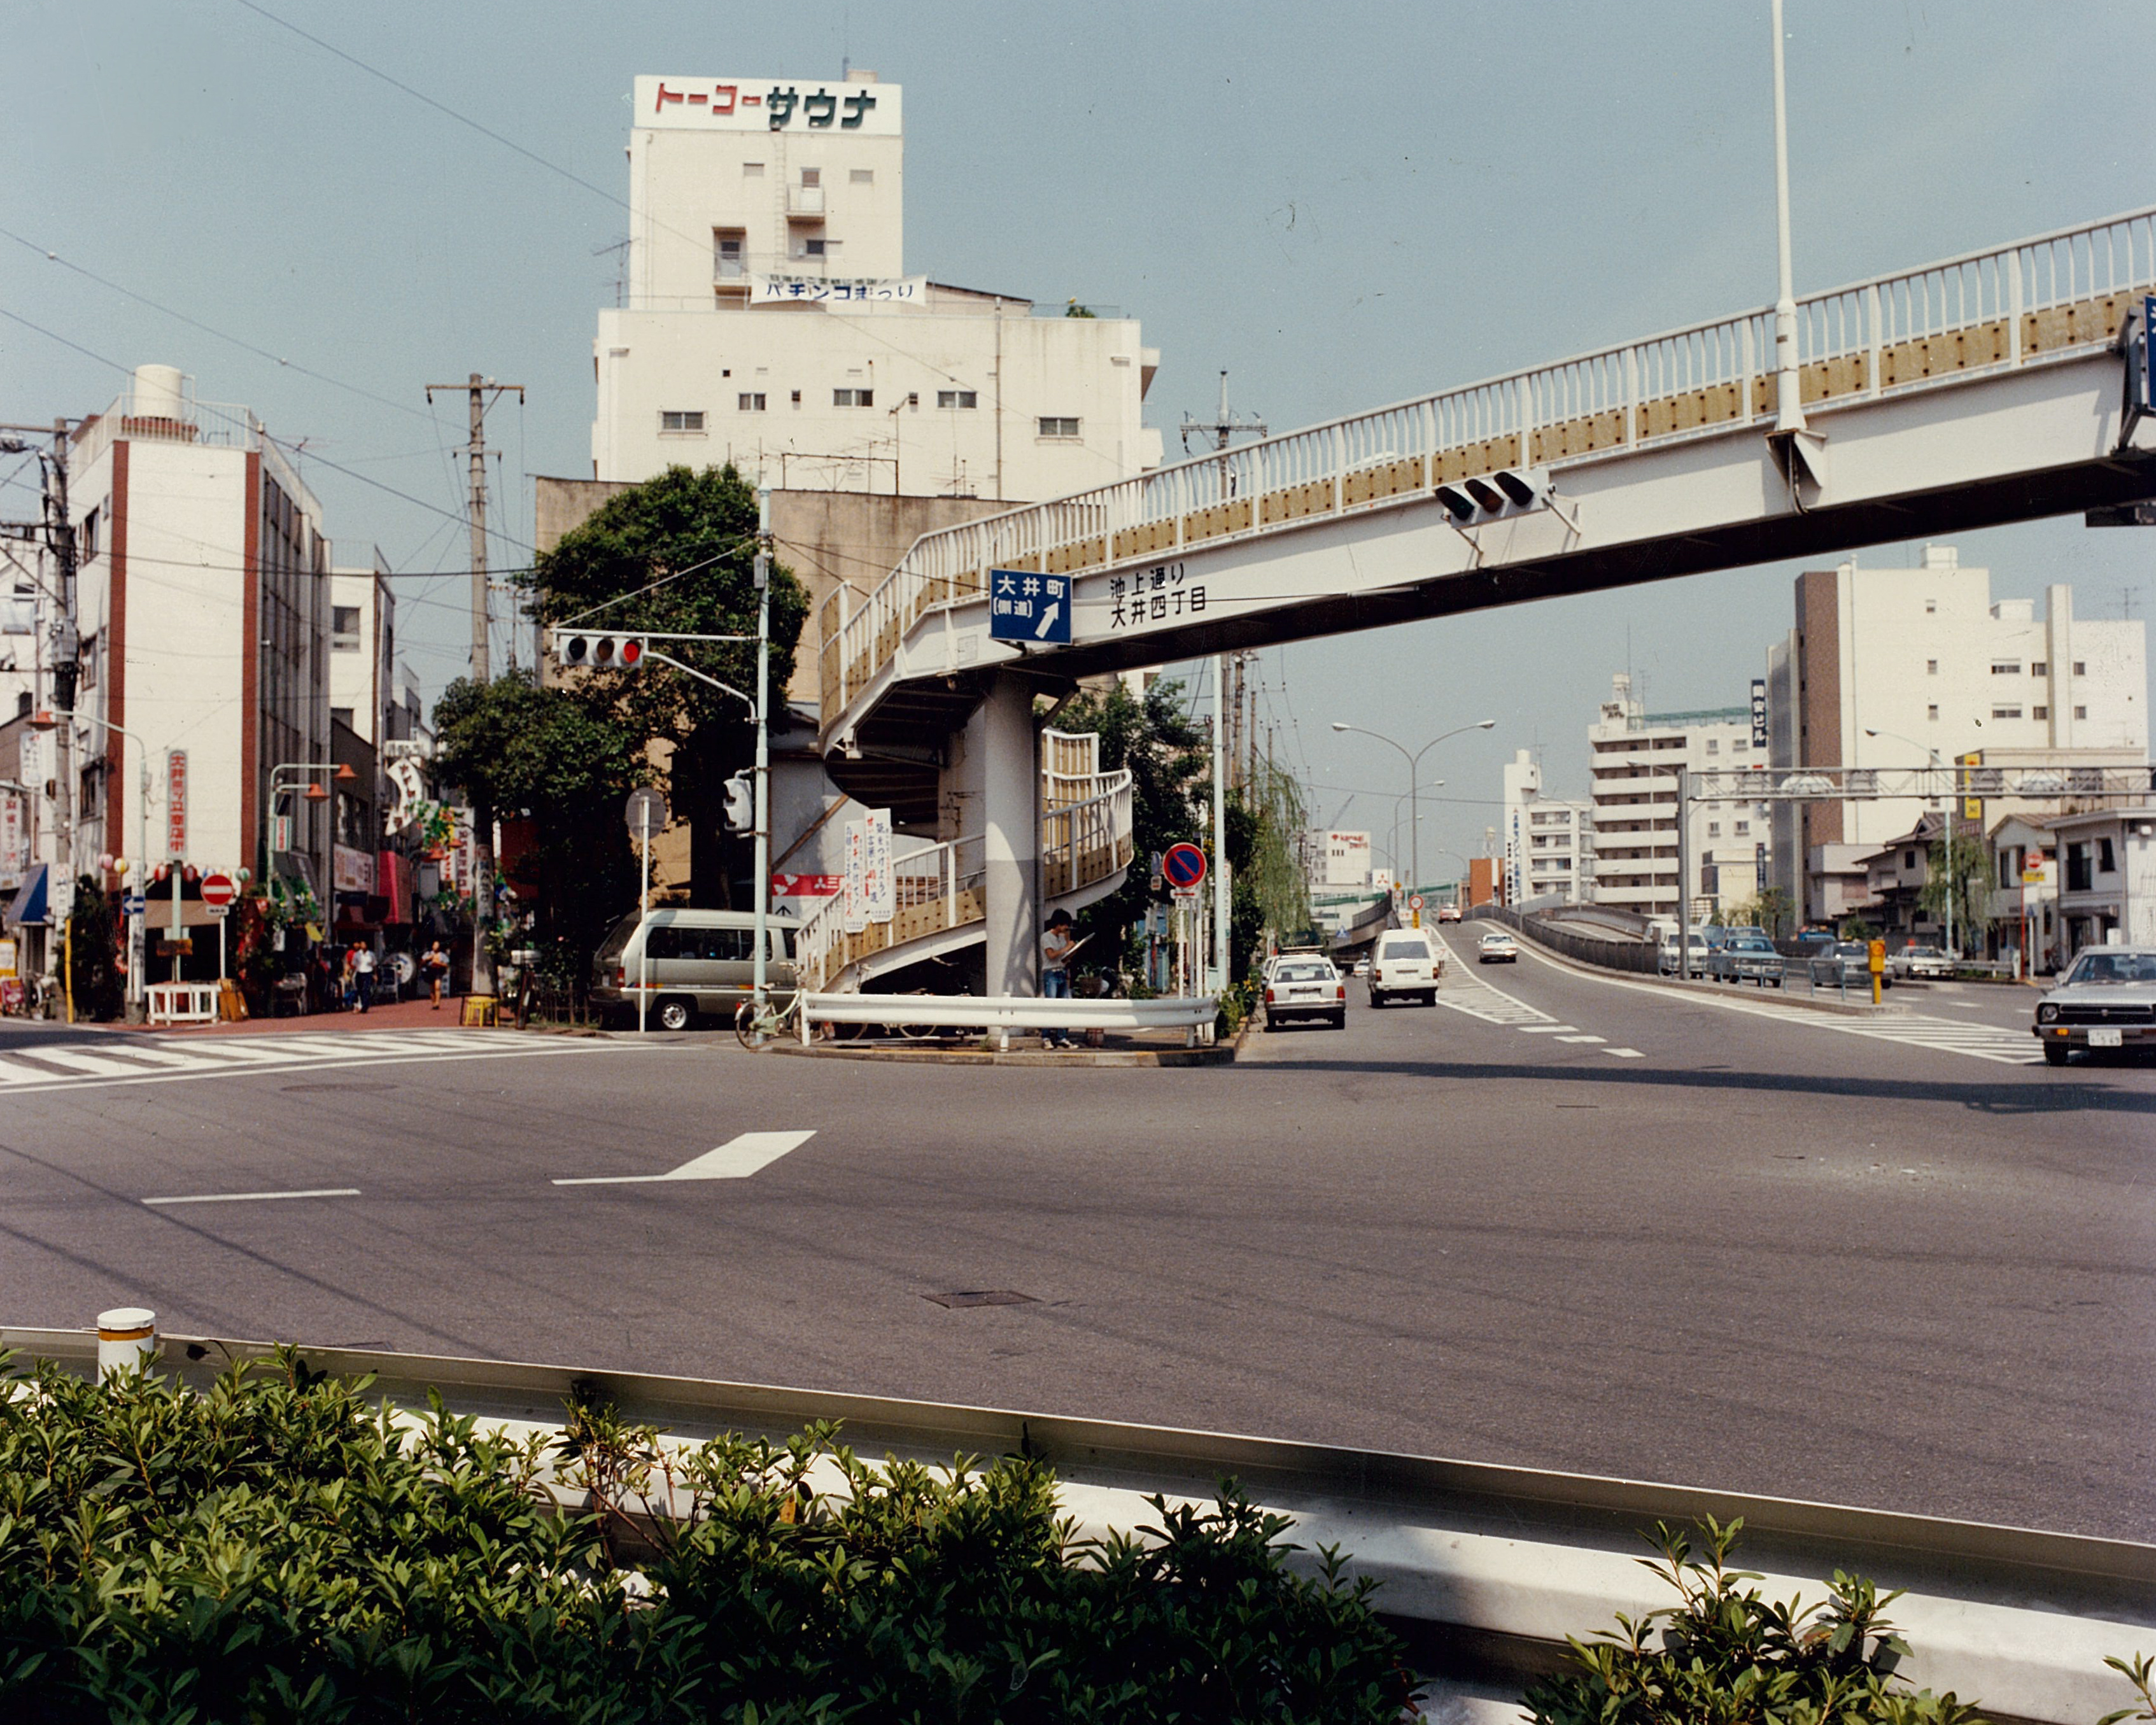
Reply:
x=755, y=1027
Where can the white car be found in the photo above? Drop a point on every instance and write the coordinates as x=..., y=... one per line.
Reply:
x=1302, y=987
x=1405, y=962
x=1497, y=947
x=1448, y=913
x=1920, y=964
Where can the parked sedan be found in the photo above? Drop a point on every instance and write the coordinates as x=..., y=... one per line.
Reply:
x=1306, y=988
x=1846, y=964
x=2107, y=1000
x=1746, y=958
x=1497, y=947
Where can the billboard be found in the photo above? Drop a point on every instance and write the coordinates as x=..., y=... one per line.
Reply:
x=805, y=105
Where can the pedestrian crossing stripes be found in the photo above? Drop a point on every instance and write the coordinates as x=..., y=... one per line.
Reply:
x=1984, y=1042
x=28, y=1066
x=1464, y=991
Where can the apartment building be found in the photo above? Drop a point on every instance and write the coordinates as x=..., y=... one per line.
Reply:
x=1889, y=667
x=770, y=321
x=1636, y=756
x=1549, y=841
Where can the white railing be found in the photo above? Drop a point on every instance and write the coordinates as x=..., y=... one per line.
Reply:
x=940, y=887
x=2057, y=294
x=999, y=1014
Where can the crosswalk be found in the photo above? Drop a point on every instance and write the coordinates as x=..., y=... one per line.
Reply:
x=29, y=1066
x=1466, y=991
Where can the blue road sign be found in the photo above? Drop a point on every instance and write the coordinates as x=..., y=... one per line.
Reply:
x=1184, y=865
x=133, y=904
x=1026, y=607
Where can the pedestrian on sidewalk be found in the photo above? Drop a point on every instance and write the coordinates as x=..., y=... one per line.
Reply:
x=363, y=974
x=436, y=964
x=1057, y=944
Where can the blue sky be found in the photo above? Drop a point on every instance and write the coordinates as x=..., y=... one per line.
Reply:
x=1342, y=204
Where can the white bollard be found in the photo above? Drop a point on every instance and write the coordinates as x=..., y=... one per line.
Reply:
x=126, y=1340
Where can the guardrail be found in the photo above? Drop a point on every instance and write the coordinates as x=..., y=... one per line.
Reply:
x=2034, y=301
x=1002, y=1014
x=1479, y=1563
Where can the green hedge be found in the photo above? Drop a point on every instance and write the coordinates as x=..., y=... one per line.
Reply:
x=276, y=1548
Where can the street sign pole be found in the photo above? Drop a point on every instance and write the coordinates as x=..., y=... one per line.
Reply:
x=761, y=978
x=644, y=918
x=1220, y=908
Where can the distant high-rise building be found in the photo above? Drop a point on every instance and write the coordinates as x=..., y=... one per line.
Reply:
x=1549, y=841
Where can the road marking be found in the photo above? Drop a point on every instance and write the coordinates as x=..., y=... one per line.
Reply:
x=736, y=1159
x=1626, y=1054
x=258, y=1197
x=1583, y=1038
x=1541, y=1029
x=182, y=1059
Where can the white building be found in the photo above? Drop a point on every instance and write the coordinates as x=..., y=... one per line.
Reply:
x=1636, y=756
x=1343, y=861
x=1549, y=841
x=364, y=665
x=2106, y=890
x=1885, y=666
x=202, y=607
x=770, y=321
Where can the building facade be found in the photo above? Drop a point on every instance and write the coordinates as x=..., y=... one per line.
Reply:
x=1549, y=841
x=769, y=321
x=1885, y=667
x=1342, y=859
x=1636, y=756
x=2106, y=879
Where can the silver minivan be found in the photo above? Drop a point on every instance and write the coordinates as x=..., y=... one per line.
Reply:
x=703, y=963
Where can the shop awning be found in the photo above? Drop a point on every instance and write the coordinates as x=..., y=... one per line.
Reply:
x=31, y=903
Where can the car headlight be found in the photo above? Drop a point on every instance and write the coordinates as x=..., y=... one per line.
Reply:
x=2048, y=1014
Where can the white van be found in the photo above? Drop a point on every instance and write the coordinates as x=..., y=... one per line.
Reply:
x=703, y=963
x=1405, y=961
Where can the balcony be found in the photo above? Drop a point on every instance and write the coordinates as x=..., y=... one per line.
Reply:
x=804, y=203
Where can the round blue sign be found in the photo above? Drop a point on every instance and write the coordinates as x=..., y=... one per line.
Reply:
x=1183, y=866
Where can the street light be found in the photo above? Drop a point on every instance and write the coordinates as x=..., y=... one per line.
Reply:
x=342, y=774
x=1415, y=766
x=1946, y=825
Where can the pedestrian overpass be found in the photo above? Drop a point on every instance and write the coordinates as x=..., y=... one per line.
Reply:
x=1984, y=389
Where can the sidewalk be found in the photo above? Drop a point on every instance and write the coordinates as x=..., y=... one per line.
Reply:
x=402, y=1015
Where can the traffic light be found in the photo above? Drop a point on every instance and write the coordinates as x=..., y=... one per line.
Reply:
x=593, y=652
x=1489, y=497
x=741, y=804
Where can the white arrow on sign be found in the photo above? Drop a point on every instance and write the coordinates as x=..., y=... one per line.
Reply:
x=736, y=1159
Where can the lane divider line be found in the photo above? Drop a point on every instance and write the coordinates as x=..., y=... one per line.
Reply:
x=256, y=1197
x=1626, y=1054
x=736, y=1159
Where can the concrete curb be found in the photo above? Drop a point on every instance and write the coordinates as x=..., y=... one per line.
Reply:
x=1220, y=1055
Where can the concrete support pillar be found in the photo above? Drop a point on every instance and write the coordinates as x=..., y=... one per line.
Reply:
x=1010, y=804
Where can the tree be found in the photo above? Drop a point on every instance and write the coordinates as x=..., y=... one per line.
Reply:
x=1770, y=911
x=562, y=757
x=676, y=555
x=1967, y=877
x=1271, y=890
x=1165, y=753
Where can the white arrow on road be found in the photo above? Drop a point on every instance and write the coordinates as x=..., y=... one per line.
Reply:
x=736, y=1159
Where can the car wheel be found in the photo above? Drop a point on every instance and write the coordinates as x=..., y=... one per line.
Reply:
x=2055, y=1053
x=1272, y=1025
x=1376, y=1000
x=676, y=1014
x=1340, y=1020
x=1430, y=998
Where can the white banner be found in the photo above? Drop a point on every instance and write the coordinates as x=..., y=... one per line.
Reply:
x=854, y=910
x=792, y=105
x=14, y=838
x=353, y=869
x=39, y=751
x=879, y=890
x=813, y=291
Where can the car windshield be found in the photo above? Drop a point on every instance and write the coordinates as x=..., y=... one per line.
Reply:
x=2113, y=968
x=617, y=939
x=1405, y=949
x=1496, y=939
x=1303, y=973
x=1920, y=953
x=1851, y=949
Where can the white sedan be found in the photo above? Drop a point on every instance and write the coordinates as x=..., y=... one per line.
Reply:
x=1497, y=947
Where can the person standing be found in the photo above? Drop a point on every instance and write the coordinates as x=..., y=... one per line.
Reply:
x=436, y=964
x=362, y=967
x=1057, y=944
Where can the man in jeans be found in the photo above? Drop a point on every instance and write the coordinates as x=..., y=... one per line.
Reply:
x=362, y=974
x=1056, y=946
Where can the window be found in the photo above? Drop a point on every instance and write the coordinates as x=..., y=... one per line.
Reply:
x=1908, y=858
x=1930, y=607
x=957, y=398
x=1714, y=745
x=1931, y=667
x=2105, y=863
x=340, y=715
x=750, y=402
x=680, y=421
x=752, y=170
x=1714, y=829
x=861, y=177
x=87, y=539
x=2037, y=668
x=811, y=176
x=797, y=398
x=2081, y=667
x=2077, y=868
x=2006, y=712
x=1931, y=713
x=2006, y=667
x=88, y=653
x=2041, y=712
x=2080, y=712
x=729, y=254
x=1743, y=827
x=817, y=247
x=853, y=397
x=1050, y=427
x=344, y=628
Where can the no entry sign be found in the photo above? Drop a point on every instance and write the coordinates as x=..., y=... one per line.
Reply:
x=1183, y=866
x=218, y=891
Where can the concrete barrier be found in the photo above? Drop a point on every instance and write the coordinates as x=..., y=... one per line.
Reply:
x=1002, y=1014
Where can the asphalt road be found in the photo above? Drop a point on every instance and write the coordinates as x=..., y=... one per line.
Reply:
x=1558, y=1221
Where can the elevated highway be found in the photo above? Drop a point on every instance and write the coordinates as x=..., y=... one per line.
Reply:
x=1978, y=390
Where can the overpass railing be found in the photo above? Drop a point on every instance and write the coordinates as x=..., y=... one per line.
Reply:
x=1638, y=957
x=2054, y=296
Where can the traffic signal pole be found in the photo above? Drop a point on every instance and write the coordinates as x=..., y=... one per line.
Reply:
x=761, y=982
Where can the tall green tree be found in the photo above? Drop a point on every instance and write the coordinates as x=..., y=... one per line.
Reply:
x=562, y=757
x=1960, y=867
x=676, y=555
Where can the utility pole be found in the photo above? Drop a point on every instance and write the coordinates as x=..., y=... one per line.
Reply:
x=1224, y=426
x=479, y=388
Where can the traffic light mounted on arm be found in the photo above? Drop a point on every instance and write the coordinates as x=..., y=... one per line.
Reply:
x=583, y=650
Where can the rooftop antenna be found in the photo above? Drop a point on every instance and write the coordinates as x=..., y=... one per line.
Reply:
x=1223, y=429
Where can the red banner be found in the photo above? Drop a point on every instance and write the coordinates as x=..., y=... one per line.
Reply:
x=807, y=885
